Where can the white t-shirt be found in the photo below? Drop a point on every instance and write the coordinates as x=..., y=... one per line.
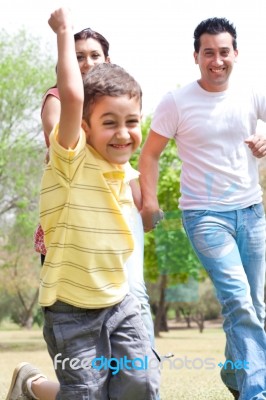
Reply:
x=219, y=171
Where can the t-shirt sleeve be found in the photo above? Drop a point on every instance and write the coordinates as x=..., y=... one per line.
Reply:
x=50, y=92
x=130, y=172
x=165, y=119
x=66, y=162
x=259, y=98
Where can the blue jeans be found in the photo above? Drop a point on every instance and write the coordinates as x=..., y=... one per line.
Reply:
x=231, y=247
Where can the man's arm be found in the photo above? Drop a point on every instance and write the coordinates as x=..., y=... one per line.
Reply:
x=149, y=175
x=69, y=80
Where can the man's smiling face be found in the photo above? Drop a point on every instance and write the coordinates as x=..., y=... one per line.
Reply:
x=216, y=59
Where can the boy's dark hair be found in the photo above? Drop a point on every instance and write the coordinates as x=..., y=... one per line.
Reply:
x=214, y=26
x=108, y=80
x=89, y=33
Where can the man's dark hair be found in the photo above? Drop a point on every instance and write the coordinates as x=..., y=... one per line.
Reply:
x=214, y=26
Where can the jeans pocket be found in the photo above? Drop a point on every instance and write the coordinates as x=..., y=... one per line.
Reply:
x=258, y=210
x=189, y=215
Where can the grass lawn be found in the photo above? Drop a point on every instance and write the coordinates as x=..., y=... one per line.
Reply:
x=192, y=373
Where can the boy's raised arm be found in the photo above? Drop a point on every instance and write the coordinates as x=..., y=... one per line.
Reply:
x=69, y=79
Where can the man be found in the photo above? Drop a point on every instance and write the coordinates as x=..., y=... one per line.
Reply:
x=214, y=125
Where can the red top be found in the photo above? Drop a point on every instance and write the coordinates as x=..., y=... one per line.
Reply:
x=38, y=234
x=50, y=92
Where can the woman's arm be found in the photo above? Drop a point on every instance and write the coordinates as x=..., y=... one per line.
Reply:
x=50, y=115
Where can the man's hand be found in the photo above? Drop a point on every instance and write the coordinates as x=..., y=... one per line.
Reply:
x=257, y=144
x=151, y=219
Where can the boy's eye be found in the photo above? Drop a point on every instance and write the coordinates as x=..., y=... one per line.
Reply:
x=133, y=122
x=108, y=123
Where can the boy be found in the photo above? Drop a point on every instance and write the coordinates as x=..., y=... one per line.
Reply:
x=93, y=328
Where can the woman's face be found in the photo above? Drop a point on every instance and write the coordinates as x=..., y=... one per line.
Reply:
x=89, y=53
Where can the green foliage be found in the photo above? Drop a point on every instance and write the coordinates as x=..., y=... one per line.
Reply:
x=38, y=317
x=208, y=302
x=193, y=297
x=27, y=70
x=145, y=126
x=174, y=254
x=167, y=249
x=183, y=292
x=19, y=272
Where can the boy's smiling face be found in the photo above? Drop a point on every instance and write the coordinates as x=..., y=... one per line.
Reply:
x=114, y=130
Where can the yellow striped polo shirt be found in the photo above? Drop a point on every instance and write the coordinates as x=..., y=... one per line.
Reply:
x=86, y=235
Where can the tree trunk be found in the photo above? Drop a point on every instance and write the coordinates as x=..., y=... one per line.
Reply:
x=27, y=318
x=164, y=325
x=199, y=318
x=188, y=321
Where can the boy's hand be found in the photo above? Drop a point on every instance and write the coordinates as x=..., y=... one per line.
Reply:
x=60, y=20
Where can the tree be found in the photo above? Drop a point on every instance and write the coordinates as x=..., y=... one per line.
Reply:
x=27, y=70
x=19, y=278
x=194, y=301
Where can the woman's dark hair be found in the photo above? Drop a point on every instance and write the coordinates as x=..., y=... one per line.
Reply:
x=89, y=33
x=214, y=26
